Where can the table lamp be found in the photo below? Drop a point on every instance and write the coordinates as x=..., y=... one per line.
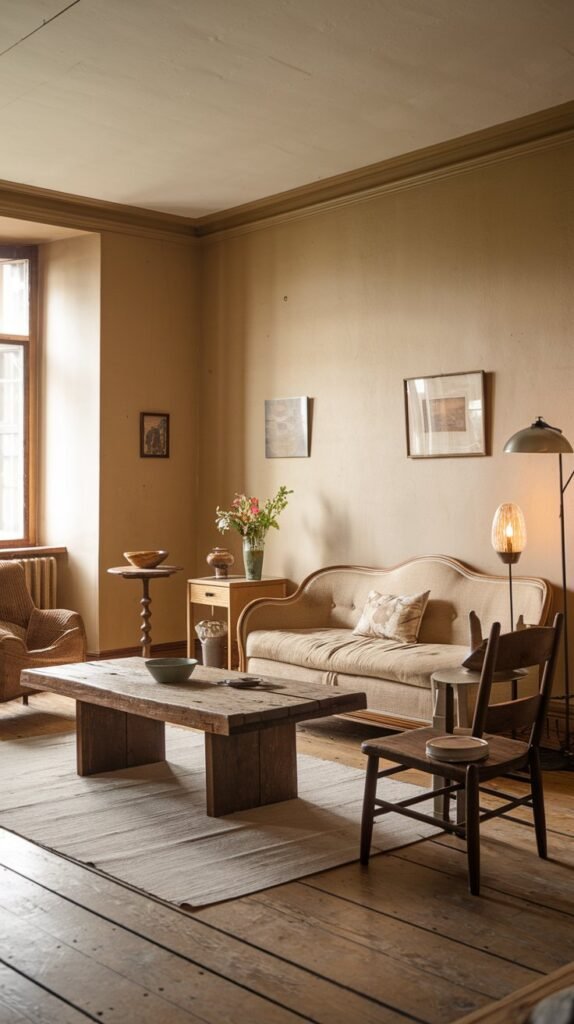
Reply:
x=543, y=439
x=509, y=540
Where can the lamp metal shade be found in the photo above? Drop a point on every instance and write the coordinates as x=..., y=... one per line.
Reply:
x=508, y=534
x=538, y=437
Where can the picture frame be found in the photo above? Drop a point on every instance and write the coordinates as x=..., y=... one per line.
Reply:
x=154, y=435
x=445, y=415
x=287, y=428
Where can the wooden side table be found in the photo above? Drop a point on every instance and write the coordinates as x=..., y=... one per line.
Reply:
x=232, y=593
x=448, y=684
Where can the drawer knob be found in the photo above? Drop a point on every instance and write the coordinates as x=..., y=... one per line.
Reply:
x=209, y=593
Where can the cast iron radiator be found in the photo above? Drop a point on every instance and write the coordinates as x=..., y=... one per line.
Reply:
x=41, y=580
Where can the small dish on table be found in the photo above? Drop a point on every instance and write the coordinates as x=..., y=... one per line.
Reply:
x=242, y=682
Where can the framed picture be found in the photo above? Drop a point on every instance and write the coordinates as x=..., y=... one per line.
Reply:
x=154, y=435
x=445, y=415
x=286, y=428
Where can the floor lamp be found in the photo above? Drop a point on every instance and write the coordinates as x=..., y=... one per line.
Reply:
x=541, y=438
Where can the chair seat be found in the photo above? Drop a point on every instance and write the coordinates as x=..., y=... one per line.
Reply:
x=409, y=749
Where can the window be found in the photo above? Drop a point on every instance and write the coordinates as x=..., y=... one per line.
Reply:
x=17, y=392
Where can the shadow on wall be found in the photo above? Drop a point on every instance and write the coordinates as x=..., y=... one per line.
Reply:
x=326, y=534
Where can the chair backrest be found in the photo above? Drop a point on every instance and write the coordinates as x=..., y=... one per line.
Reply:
x=522, y=649
x=16, y=604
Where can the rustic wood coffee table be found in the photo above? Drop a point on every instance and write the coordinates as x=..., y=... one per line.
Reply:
x=250, y=746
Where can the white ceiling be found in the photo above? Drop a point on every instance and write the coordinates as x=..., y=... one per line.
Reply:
x=193, y=106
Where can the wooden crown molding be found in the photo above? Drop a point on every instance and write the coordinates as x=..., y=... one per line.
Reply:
x=41, y=205
x=541, y=130
x=537, y=131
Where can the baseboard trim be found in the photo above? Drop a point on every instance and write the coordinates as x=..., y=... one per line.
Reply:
x=175, y=649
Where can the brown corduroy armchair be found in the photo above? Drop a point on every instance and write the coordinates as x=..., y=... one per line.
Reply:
x=32, y=637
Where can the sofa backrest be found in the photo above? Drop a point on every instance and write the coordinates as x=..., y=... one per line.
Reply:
x=339, y=593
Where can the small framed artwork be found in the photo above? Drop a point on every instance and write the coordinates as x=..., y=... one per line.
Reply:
x=286, y=428
x=154, y=435
x=445, y=415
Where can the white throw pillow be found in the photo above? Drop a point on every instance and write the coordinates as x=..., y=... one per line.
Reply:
x=392, y=618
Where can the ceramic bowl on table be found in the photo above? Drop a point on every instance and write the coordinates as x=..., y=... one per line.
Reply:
x=171, y=670
x=145, y=559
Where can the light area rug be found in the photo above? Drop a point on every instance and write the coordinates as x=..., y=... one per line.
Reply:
x=147, y=826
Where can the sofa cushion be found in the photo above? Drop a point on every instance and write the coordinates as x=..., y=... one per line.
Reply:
x=392, y=617
x=340, y=650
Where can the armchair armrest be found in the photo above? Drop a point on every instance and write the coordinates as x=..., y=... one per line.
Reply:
x=69, y=647
x=11, y=644
x=50, y=627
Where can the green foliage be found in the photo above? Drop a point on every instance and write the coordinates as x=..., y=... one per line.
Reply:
x=249, y=517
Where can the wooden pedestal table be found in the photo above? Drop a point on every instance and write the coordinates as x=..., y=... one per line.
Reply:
x=131, y=572
x=250, y=745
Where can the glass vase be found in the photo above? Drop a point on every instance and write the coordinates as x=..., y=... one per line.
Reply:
x=253, y=550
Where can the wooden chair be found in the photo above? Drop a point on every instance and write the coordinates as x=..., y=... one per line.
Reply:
x=32, y=637
x=529, y=647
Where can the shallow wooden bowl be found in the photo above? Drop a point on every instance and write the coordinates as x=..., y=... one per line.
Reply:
x=145, y=559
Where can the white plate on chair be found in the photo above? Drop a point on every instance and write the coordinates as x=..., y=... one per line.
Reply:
x=457, y=748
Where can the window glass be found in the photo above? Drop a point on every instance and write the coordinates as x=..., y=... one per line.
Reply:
x=12, y=441
x=14, y=303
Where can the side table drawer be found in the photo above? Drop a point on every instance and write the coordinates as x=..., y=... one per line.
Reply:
x=200, y=593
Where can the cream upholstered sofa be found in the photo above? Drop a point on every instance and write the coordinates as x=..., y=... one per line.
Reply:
x=309, y=635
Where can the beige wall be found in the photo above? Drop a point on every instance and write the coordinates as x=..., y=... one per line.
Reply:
x=119, y=316
x=69, y=421
x=473, y=271
x=148, y=363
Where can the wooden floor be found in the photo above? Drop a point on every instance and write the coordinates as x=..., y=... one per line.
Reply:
x=400, y=941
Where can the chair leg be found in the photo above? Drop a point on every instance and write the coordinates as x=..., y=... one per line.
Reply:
x=473, y=828
x=24, y=698
x=368, y=807
x=446, y=801
x=538, y=802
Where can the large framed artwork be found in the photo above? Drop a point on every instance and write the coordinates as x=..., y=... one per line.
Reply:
x=445, y=415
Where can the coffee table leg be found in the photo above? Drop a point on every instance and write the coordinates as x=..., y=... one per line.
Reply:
x=250, y=769
x=107, y=739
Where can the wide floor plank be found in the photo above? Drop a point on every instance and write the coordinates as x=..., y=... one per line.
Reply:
x=21, y=1000
x=405, y=887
